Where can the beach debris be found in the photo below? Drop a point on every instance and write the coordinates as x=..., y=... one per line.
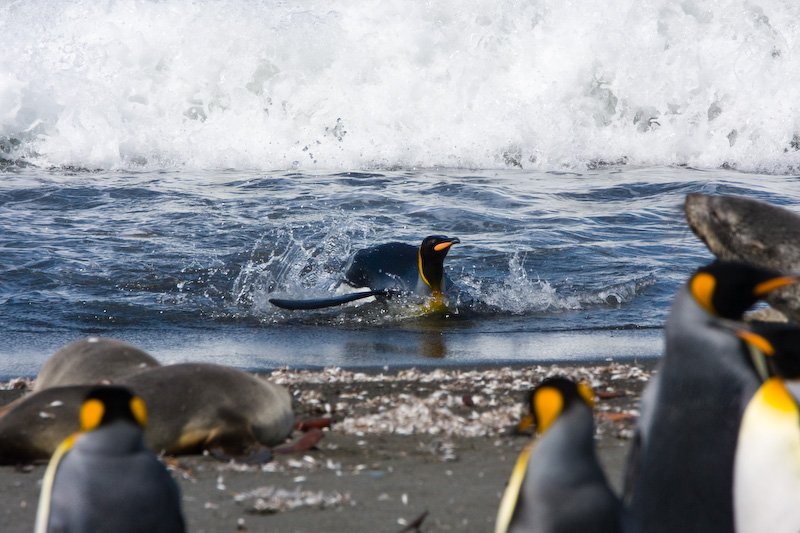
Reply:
x=448, y=403
x=414, y=415
x=304, y=443
x=270, y=499
x=319, y=423
x=443, y=450
x=414, y=525
x=17, y=384
x=616, y=417
x=174, y=465
x=259, y=455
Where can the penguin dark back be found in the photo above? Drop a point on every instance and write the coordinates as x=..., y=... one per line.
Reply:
x=388, y=269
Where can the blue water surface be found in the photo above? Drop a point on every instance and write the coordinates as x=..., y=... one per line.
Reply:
x=552, y=265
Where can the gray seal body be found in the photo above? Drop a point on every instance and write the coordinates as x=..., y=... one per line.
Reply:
x=92, y=360
x=191, y=407
x=754, y=232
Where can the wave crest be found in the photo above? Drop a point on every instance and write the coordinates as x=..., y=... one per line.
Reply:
x=475, y=84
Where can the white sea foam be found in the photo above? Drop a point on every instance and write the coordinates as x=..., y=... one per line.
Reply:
x=355, y=84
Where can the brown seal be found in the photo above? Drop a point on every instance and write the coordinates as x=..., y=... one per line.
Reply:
x=191, y=407
x=754, y=232
x=92, y=360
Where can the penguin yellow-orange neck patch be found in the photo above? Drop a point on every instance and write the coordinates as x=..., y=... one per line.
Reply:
x=586, y=393
x=91, y=414
x=511, y=496
x=547, y=403
x=757, y=341
x=421, y=271
x=139, y=410
x=702, y=288
x=776, y=395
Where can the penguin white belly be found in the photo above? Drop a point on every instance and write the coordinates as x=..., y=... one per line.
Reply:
x=767, y=465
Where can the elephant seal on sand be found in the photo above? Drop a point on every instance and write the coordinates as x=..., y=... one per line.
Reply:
x=754, y=232
x=191, y=407
x=92, y=360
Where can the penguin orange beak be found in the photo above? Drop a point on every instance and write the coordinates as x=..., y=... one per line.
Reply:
x=446, y=244
x=775, y=283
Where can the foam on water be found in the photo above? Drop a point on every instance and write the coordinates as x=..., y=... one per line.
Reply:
x=354, y=84
x=284, y=264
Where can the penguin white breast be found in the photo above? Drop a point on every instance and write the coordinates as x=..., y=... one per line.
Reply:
x=767, y=465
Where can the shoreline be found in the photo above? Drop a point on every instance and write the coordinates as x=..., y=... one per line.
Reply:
x=402, y=443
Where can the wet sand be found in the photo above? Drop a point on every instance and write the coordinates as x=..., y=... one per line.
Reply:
x=402, y=444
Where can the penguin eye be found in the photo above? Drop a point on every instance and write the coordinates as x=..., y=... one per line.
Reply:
x=702, y=288
x=91, y=414
x=139, y=410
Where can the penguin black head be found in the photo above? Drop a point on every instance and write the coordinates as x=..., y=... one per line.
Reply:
x=432, y=252
x=552, y=397
x=780, y=344
x=110, y=403
x=727, y=289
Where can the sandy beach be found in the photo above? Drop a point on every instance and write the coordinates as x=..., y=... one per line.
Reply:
x=431, y=447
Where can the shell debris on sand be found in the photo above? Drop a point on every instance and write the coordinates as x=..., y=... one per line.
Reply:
x=17, y=384
x=271, y=499
x=453, y=403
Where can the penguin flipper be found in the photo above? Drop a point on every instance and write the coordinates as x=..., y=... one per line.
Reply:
x=321, y=303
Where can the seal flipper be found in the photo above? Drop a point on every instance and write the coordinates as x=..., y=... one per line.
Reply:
x=321, y=303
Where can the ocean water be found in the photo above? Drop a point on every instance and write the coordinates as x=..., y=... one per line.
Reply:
x=167, y=167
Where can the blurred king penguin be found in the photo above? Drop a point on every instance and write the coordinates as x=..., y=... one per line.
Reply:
x=766, y=474
x=680, y=469
x=557, y=484
x=104, y=479
x=391, y=269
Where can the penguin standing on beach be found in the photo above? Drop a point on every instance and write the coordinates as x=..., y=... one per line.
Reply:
x=391, y=269
x=680, y=469
x=767, y=466
x=557, y=483
x=766, y=476
x=104, y=479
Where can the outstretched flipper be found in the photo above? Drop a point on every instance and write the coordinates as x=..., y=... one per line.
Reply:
x=321, y=303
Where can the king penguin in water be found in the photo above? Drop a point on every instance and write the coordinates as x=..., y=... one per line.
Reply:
x=680, y=468
x=557, y=483
x=103, y=478
x=391, y=269
x=766, y=476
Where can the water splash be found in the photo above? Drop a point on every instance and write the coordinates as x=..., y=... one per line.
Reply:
x=347, y=85
x=288, y=260
x=520, y=295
